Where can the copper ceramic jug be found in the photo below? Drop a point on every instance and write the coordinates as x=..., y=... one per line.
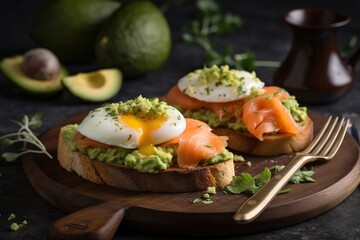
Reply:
x=314, y=70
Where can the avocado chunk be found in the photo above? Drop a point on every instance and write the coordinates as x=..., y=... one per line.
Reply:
x=39, y=88
x=97, y=86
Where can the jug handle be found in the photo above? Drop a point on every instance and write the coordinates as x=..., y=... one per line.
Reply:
x=354, y=58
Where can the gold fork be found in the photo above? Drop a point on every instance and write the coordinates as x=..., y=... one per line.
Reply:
x=324, y=146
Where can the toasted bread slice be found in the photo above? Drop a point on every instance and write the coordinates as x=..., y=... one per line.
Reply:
x=272, y=145
x=174, y=179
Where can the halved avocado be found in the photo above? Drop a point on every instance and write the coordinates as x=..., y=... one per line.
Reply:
x=97, y=86
x=40, y=88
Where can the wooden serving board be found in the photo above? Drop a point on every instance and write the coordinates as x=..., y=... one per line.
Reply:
x=175, y=214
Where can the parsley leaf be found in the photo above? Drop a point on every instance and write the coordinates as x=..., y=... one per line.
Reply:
x=303, y=175
x=246, y=182
x=242, y=183
x=262, y=178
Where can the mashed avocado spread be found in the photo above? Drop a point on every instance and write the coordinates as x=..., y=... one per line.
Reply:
x=210, y=79
x=298, y=113
x=213, y=121
x=146, y=108
x=162, y=159
x=222, y=75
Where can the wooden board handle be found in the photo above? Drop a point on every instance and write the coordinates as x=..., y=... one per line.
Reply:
x=96, y=222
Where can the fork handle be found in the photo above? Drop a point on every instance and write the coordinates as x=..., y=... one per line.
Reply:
x=257, y=203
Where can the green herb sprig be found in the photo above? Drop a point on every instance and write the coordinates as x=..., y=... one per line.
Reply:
x=349, y=46
x=212, y=20
x=25, y=136
x=247, y=183
x=301, y=176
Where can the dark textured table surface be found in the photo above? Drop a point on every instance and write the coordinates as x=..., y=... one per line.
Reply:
x=263, y=32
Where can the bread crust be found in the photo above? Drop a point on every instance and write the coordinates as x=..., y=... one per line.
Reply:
x=174, y=179
x=272, y=145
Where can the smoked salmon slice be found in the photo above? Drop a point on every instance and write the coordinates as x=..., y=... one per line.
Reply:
x=262, y=114
x=176, y=98
x=197, y=143
x=266, y=114
x=82, y=141
x=223, y=110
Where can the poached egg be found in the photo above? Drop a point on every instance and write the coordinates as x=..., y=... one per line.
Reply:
x=133, y=129
x=219, y=84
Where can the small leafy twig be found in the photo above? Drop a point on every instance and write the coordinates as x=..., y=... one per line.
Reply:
x=349, y=47
x=213, y=21
x=245, y=182
x=25, y=136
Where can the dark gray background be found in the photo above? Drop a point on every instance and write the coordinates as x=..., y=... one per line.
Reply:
x=263, y=32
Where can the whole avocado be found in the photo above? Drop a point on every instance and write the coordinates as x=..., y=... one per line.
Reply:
x=68, y=28
x=136, y=39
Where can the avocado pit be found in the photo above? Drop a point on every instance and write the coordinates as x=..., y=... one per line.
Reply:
x=40, y=64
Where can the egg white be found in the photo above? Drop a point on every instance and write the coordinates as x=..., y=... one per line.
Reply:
x=101, y=127
x=209, y=92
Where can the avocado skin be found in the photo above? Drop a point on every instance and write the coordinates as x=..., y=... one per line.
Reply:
x=136, y=39
x=68, y=28
x=11, y=67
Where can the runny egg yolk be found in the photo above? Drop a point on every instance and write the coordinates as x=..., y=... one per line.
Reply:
x=145, y=128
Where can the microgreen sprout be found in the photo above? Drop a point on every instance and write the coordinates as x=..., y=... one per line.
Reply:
x=25, y=136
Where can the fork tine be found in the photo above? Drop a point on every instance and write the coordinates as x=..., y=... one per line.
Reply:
x=330, y=141
x=332, y=148
x=325, y=138
x=318, y=137
x=256, y=204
